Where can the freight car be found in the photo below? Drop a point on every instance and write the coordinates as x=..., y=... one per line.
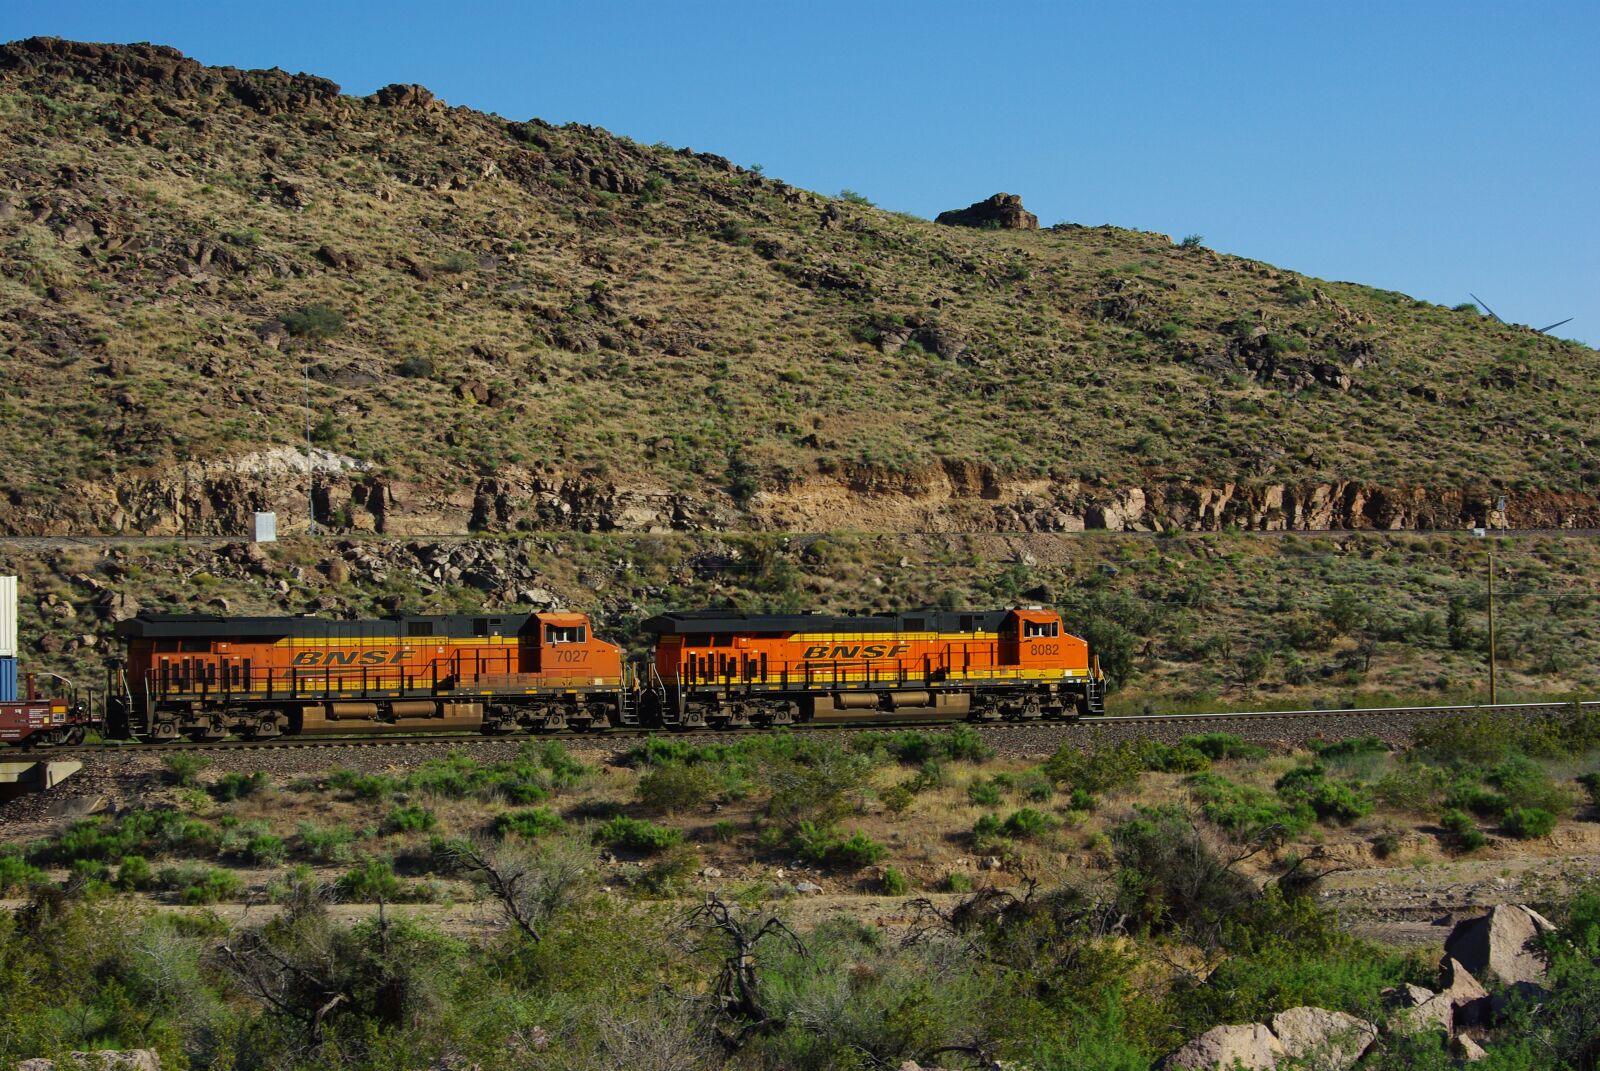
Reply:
x=732, y=669
x=35, y=719
x=205, y=677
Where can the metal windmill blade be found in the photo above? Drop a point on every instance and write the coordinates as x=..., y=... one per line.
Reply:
x=1552, y=327
x=1492, y=314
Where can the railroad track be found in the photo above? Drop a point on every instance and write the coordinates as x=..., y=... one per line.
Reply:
x=382, y=740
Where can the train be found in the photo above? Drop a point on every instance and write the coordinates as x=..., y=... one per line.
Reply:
x=206, y=677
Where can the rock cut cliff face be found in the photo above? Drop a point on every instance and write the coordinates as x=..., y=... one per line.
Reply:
x=483, y=324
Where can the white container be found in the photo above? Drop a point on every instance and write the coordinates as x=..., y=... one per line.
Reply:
x=8, y=617
x=266, y=528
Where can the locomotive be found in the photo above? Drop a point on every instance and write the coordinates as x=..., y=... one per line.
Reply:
x=205, y=677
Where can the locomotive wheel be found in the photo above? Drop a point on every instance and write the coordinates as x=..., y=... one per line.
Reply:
x=213, y=730
x=75, y=736
x=166, y=730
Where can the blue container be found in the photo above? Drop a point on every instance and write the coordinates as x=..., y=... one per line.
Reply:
x=8, y=680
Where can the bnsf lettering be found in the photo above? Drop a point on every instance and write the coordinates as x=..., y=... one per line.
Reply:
x=330, y=659
x=869, y=650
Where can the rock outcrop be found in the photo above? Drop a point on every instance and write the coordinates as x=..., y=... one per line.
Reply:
x=1003, y=211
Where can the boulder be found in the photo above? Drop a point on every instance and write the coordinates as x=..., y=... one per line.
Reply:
x=1466, y=1050
x=1416, y=1009
x=1503, y=945
x=807, y=888
x=1323, y=1040
x=1003, y=211
x=1467, y=996
x=1248, y=1047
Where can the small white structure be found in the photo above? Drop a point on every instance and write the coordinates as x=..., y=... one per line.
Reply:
x=8, y=617
x=266, y=530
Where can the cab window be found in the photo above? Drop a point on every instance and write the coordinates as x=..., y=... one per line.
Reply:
x=1040, y=629
x=554, y=634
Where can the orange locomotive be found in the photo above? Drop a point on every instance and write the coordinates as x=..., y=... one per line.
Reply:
x=207, y=676
x=725, y=669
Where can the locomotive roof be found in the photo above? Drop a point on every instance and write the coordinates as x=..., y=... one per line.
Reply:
x=192, y=626
x=699, y=622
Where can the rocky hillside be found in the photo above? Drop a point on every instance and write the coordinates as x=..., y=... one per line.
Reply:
x=506, y=325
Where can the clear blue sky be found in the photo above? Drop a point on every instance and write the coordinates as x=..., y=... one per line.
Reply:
x=1433, y=148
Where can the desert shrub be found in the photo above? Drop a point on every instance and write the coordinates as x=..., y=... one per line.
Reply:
x=672, y=786
x=988, y=833
x=364, y=786
x=1167, y=758
x=265, y=849
x=132, y=833
x=234, y=786
x=854, y=198
x=636, y=835
x=1590, y=783
x=1529, y=823
x=196, y=883
x=819, y=784
x=1026, y=822
x=313, y=321
x=332, y=844
x=457, y=262
x=183, y=768
x=1461, y=832
x=371, y=881
x=1034, y=786
x=134, y=873
x=1411, y=786
x=897, y=799
x=1082, y=799
x=1335, y=801
x=669, y=872
x=957, y=881
x=17, y=874
x=1191, y=241
x=410, y=818
x=1525, y=783
x=913, y=747
x=722, y=831
x=828, y=847
x=1248, y=814
x=894, y=882
x=1385, y=844
x=1169, y=877
x=1220, y=746
x=1098, y=767
x=416, y=368
x=531, y=822
x=983, y=793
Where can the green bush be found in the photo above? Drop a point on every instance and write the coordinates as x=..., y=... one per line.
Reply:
x=1098, y=767
x=184, y=767
x=372, y=881
x=1461, y=832
x=264, y=849
x=415, y=368
x=1591, y=784
x=365, y=786
x=17, y=875
x=983, y=793
x=988, y=833
x=1027, y=822
x=672, y=786
x=722, y=830
x=1165, y=758
x=1245, y=812
x=897, y=799
x=913, y=747
x=636, y=835
x=957, y=881
x=134, y=873
x=313, y=321
x=894, y=882
x=233, y=786
x=196, y=883
x=1526, y=783
x=1220, y=746
x=132, y=833
x=530, y=823
x=411, y=818
x=326, y=845
x=1082, y=800
x=1349, y=748
x=827, y=847
x=1330, y=801
x=1529, y=823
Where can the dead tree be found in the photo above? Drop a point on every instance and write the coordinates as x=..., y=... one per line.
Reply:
x=737, y=993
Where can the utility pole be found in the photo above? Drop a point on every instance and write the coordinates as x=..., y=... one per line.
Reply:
x=1491, y=626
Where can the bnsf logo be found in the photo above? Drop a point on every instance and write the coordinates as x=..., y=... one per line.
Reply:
x=350, y=658
x=870, y=650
